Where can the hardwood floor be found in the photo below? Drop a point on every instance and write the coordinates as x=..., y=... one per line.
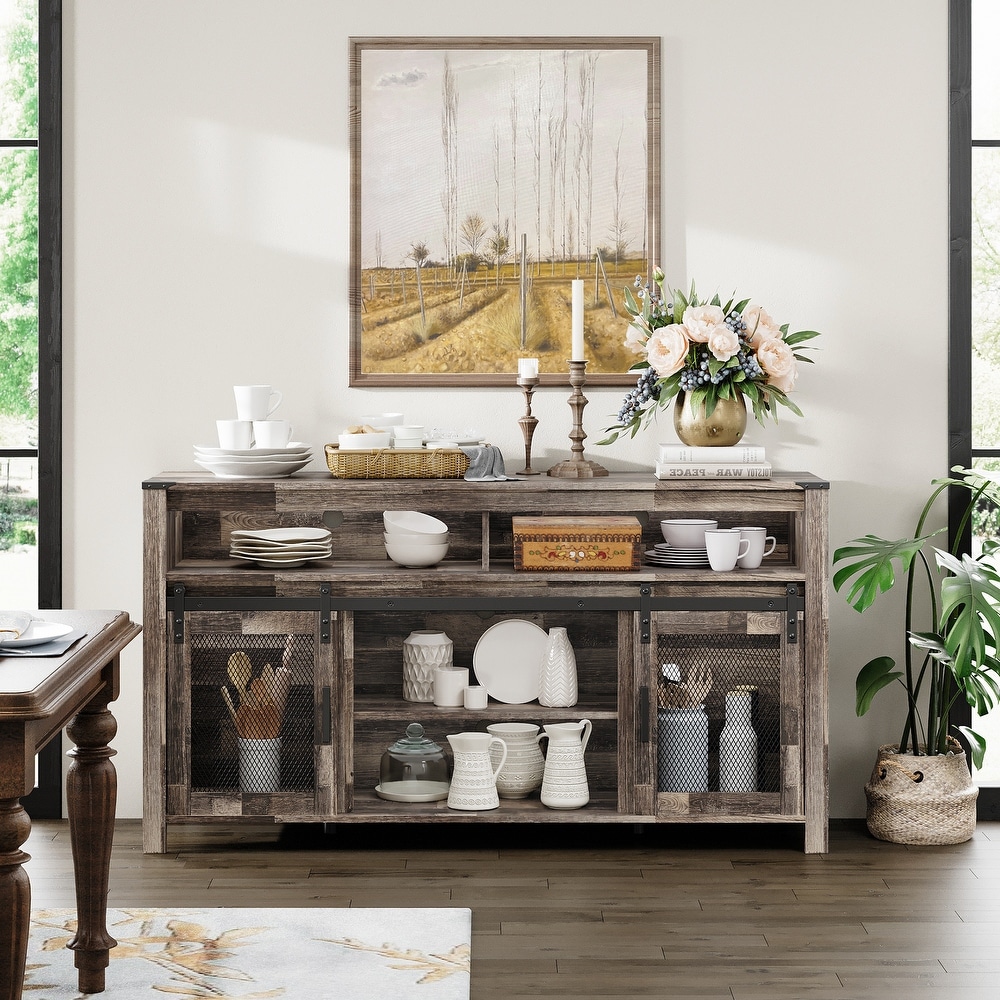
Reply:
x=704, y=913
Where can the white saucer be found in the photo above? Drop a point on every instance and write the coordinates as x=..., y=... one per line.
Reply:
x=37, y=633
x=413, y=791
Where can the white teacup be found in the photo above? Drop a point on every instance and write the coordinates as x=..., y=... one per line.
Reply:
x=271, y=433
x=256, y=402
x=476, y=697
x=724, y=547
x=234, y=435
x=759, y=547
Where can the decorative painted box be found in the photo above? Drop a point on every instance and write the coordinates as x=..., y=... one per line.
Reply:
x=556, y=544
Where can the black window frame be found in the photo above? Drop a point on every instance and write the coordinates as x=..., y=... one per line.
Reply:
x=46, y=799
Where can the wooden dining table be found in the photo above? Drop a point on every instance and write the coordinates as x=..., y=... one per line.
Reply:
x=39, y=697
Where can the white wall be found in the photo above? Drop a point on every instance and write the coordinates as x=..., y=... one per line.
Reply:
x=206, y=243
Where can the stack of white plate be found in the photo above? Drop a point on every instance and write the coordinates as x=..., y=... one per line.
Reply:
x=674, y=555
x=285, y=548
x=253, y=463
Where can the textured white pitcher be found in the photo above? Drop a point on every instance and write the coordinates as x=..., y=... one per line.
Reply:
x=474, y=779
x=564, y=783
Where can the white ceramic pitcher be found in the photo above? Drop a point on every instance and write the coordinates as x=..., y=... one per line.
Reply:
x=474, y=778
x=564, y=783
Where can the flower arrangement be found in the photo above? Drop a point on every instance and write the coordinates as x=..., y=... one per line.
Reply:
x=708, y=350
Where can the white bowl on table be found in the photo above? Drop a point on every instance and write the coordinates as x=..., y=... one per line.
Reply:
x=413, y=522
x=686, y=532
x=364, y=442
x=416, y=555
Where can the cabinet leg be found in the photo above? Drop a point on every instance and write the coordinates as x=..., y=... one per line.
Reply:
x=15, y=898
x=91, y=791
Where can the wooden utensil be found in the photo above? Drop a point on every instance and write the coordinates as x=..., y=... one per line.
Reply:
x=240, y=671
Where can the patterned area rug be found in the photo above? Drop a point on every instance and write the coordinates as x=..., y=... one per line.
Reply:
x=251, y=954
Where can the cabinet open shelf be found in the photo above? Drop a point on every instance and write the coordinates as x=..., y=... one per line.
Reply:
x=764, y=629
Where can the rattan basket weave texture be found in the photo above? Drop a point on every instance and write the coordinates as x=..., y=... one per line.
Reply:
x=921, y=800
x=397, y=463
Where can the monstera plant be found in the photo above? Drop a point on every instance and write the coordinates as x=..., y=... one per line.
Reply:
x=955, y=655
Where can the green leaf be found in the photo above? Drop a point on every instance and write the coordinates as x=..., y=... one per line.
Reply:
x=970, y=618
x=869, y=562
x=800, y=337
x=977, y=745
x=872, y=677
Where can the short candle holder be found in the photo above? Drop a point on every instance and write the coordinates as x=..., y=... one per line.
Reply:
x=527, y=422
x=577, y=467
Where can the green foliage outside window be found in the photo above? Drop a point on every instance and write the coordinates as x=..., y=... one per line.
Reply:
x=19, y=218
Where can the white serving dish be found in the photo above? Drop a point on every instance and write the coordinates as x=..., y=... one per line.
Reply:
x=686, y=532
x=364, y=442
x=416, y=555
x=296, y=449
x=508, y=660
x=243, y=469
x=36, y=633
x=413, y=522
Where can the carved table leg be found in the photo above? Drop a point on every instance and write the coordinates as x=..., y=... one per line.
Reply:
x=91, y=790
x=15, y=897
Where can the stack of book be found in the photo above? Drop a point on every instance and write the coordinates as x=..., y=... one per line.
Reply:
x=739, y=461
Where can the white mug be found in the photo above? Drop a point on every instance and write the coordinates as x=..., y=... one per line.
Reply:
x=449, y=686
x=234, y=435
x=476, y=697
x=724, y=547
x=253, y=402
x=758, y=538
x=271, y=433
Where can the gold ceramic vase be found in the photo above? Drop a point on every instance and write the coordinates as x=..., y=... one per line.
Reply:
x=725, y=426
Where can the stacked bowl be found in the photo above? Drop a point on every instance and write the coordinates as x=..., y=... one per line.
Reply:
x=414, y=539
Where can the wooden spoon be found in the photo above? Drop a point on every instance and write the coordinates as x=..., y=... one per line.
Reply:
x=240, y=669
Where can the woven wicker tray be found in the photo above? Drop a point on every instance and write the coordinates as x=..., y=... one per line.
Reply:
x=397, y=463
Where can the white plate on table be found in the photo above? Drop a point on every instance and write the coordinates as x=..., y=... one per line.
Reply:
x=508, y=660
x=37, y=633
x=289, y=451
x=253, y=470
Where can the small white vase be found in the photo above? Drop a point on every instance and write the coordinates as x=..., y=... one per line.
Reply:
x=423, y=652
x=738, y=744
x=558, y=686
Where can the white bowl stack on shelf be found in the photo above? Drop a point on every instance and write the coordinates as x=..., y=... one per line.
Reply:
x=414, y=539
x=284, y=548
x=253, y=463
x=684, y=543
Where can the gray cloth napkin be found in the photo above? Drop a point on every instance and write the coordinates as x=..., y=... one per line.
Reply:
x=54, y=648
x=485, y=463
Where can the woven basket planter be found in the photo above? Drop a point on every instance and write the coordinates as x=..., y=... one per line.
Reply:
x=921, y=800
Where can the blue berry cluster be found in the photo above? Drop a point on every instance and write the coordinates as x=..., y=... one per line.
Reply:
x=646, y=390
x=700, y=372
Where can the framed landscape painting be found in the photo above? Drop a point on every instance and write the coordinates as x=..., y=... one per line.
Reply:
x=486, y=175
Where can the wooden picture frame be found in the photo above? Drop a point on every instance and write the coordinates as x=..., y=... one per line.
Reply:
x=487, y=174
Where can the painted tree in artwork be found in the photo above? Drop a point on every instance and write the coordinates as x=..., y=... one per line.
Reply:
x=19, y=220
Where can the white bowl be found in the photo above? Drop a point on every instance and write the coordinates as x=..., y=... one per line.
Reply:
x=410, y=538
x=414, y=522
x=382, y=419
x=408, y=431
x=364, y=442
x=405, y=442
x=406, y=554
x=686, y=532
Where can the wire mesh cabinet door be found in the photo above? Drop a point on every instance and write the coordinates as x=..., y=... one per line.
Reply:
x=251, y=705
x=726, y=715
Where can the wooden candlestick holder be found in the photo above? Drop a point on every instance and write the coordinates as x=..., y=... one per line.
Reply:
x=577, y=467
x=528, y=423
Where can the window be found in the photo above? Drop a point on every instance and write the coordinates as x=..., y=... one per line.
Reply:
x=30, y=325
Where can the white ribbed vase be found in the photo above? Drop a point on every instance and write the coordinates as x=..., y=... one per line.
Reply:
x=558, y=687
x=738, y=744
x=424, y=651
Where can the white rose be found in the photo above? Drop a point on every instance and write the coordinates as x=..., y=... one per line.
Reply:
x=700, y=321
x=635, y=338
x=778, y=362
x=760, y=325
x=723, y=343
x=666, y=349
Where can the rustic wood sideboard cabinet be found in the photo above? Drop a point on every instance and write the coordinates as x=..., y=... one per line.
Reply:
x=336, y=627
